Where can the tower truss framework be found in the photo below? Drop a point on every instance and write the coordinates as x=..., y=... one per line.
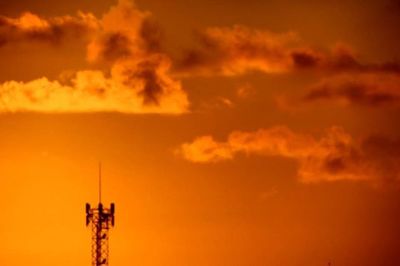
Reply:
x=101, y=220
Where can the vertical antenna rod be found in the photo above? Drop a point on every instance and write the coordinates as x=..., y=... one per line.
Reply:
x=99, y=182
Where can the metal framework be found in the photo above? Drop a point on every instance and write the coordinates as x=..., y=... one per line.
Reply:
x=101, y=220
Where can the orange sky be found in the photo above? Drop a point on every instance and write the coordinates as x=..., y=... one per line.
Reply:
x=231, y=133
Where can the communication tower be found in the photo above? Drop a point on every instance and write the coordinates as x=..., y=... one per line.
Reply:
x=101, y=220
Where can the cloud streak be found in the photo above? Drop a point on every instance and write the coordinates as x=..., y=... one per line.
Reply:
x=370, y=89
x=334, y=156
x=30, y=27
x=237, y=50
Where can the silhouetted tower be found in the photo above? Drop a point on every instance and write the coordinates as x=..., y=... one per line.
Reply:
x=101, y=220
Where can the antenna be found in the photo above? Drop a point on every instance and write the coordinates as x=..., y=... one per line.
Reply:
x=99, y=182
x=101, y=220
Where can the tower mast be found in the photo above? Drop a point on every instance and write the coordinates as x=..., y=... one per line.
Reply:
x=101, y=219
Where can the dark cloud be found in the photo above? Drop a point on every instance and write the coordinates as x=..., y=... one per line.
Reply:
x=305, y=59
x=114, y=46
x=117, y=43
x=153, y=85
x=237, y=50
x=151, y=34
x=372, y=89
x=340, y=59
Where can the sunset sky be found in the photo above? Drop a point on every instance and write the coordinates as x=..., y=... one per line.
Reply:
x=231, y=133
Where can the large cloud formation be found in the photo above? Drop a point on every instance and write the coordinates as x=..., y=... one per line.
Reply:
x=334, y=156
x=138, y=80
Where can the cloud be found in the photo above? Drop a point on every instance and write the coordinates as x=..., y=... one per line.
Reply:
x=340, y=58
x=90, y=91
x=31, y=27
x=206, y=149
x=370, y=89
x=237, y=50
x=138, y=80
x=334, y=156
x=125, y=32
x=150, y=80
x=130, y=41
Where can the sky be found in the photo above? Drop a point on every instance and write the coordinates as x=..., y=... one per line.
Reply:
x=231, y=133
